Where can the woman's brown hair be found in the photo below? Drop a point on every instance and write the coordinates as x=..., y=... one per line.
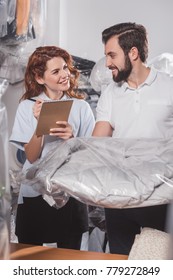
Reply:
x=37, y=66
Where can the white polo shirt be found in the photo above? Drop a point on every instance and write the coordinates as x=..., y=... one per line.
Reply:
x=138, y=113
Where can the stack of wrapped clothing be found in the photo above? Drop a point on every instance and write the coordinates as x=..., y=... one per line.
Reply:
x=106, y=172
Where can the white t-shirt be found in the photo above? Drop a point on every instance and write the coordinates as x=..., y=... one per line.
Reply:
x=142, y=112
x=81, y=119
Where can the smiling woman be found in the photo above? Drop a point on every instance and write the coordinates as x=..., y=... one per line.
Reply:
x=50, y=75
x=47, y=64
x=56, y=78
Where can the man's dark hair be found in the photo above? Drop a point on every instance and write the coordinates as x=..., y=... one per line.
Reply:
x=129, y=35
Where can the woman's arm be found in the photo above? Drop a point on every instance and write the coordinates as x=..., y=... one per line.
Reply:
x=33, y=149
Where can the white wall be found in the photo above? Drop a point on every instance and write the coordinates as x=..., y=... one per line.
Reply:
x=52, y=26
x=82, y=21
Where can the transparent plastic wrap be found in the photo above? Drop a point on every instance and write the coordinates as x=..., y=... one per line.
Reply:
x=21, y=31
x=4, y=179
x=163, y=63
x=3, y=18
x=85, y=67
x=106, y=172
x=100, y=76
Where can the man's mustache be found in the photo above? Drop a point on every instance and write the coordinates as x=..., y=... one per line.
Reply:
x=112, y=67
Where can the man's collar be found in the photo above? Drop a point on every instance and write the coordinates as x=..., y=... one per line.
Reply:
x=149, y=80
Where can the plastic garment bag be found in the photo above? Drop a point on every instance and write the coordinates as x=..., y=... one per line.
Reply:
x=4, y=178
x=163, y=63
x=22, y=27
x=106, y=172
x=100, y=76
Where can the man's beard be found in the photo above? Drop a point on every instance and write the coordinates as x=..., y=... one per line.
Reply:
x=123, y=74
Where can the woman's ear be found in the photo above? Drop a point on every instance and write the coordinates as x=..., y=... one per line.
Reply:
x=39, y=80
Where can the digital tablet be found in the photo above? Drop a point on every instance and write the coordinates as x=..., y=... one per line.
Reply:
x=51, y=112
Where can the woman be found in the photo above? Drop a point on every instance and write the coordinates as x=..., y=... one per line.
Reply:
x=50, y=75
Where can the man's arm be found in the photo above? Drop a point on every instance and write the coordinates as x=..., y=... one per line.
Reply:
x=102, y=129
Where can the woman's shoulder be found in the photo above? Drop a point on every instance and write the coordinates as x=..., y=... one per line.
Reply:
x=81, y=102
x=26, y=103
x=25, y=107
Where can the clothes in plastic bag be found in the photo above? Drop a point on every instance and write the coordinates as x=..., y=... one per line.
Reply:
x=4, y=179
x=3, y=18
x=97, y=241
x=85, y=67
x=106, y=172
x=25, y=21
x=163, y=63
x=96, y=217
x=100, y=76
x=18, y=20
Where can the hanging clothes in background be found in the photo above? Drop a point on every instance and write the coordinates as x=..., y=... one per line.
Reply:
x=7, y=15
x=3, y=18
x=85, y=67
x=21, y=25
x=16, y=22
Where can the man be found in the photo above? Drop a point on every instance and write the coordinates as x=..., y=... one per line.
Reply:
x=136, y=104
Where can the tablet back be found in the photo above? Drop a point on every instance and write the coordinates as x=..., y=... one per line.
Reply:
x=51, y=112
